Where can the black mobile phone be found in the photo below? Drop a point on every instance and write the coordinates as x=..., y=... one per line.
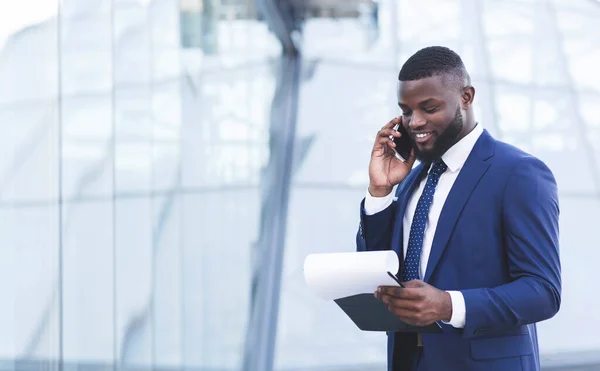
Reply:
x=403, y=143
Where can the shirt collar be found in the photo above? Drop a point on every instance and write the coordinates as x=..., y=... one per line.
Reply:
x=456, y=156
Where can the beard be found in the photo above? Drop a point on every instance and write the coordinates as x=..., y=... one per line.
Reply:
x=443, y=142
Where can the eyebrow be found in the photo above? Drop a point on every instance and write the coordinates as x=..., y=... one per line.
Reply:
x=422, y=103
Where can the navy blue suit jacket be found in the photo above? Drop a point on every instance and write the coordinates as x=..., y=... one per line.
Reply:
x=497, y=242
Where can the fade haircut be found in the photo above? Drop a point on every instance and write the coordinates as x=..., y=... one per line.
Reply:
x=436, y=61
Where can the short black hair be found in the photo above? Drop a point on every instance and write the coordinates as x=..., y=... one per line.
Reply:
x=435, y=61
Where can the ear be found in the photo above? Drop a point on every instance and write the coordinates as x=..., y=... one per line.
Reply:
x=467, y=97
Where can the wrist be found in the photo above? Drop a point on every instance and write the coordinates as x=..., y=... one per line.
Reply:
x=380, y=191
x=446, y=310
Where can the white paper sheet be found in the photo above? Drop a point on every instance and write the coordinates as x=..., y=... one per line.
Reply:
x=338, y=275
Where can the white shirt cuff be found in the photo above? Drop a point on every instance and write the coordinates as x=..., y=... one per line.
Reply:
x=459, y=310
x=373, y=205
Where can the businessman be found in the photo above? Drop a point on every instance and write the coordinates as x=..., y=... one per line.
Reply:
x=474, y=224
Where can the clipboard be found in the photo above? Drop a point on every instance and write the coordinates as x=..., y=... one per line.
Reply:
x=370, y=314
x=350, y=279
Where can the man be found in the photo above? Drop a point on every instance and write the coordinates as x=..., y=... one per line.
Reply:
x=475, y=226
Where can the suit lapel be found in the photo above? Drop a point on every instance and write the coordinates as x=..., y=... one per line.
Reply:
x=468, y=178
x=404, y=192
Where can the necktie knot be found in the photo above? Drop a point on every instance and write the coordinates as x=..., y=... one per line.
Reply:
x=439, y=167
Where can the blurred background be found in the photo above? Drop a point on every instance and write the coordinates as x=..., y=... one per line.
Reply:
x=167, y=165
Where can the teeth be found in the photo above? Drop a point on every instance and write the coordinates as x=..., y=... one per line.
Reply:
x=422, y=135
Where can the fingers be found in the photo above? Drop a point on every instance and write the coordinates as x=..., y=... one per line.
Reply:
x=412, y=290
x=415, y=312
x=385, y=136
x=415, y=303
x=404, y=313
x=412, y=317
x=386, y=133
x=390, y=290
x=414, y=284
x=392, y=123
x=396, y=302
x=385, y=145
x=388, y=130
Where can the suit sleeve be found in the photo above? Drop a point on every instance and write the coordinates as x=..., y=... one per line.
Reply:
x=375, y=231
x=530, y=225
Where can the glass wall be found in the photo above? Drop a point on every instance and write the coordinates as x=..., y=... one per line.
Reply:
x=131, y=149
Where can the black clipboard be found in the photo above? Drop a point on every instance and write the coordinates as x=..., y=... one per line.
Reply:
x=370, y=314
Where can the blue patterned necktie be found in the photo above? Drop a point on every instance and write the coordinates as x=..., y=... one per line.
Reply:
x=410, y=270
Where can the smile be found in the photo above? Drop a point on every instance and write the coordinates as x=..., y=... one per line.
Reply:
x=422, y=137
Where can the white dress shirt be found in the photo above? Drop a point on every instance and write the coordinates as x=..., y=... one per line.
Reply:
x=454, y=158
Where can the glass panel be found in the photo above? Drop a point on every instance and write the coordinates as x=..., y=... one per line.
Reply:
x=422, y=24
x=584, y=6
x=28, y=86
x=226, y=119
x=88, y=281
x=590, y=113
x=539, y=122
x=8, y=289
x=133, y=140
x=28, y=169
x=359, y=34
x=134, y=261
x=224, y=140
x=347, y=121
x=79, y=8
x=37, y=290
x=29, y=186
x=578, y=226
x=579, y=31
x=168, y=285
x=219, y=233
x=132, y=46
x=87, y=170
x=590, y=110
x=166, y=136
x=213, y=31
x=549, y=60
x=86, y=55
x=123, y=273
x=509, y=44
x=29, y=50
x=87, y=147
x=164, y=28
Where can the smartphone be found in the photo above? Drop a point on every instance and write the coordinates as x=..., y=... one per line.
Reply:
x=403, y=143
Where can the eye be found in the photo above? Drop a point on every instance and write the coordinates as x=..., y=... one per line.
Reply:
x=406, y=113
x=431, y=110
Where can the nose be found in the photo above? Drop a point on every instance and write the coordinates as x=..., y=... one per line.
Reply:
x=416, y=120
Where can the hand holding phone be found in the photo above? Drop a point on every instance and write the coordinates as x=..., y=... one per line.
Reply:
x=392, y=158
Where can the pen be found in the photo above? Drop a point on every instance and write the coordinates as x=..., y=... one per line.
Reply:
x=395, y=279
